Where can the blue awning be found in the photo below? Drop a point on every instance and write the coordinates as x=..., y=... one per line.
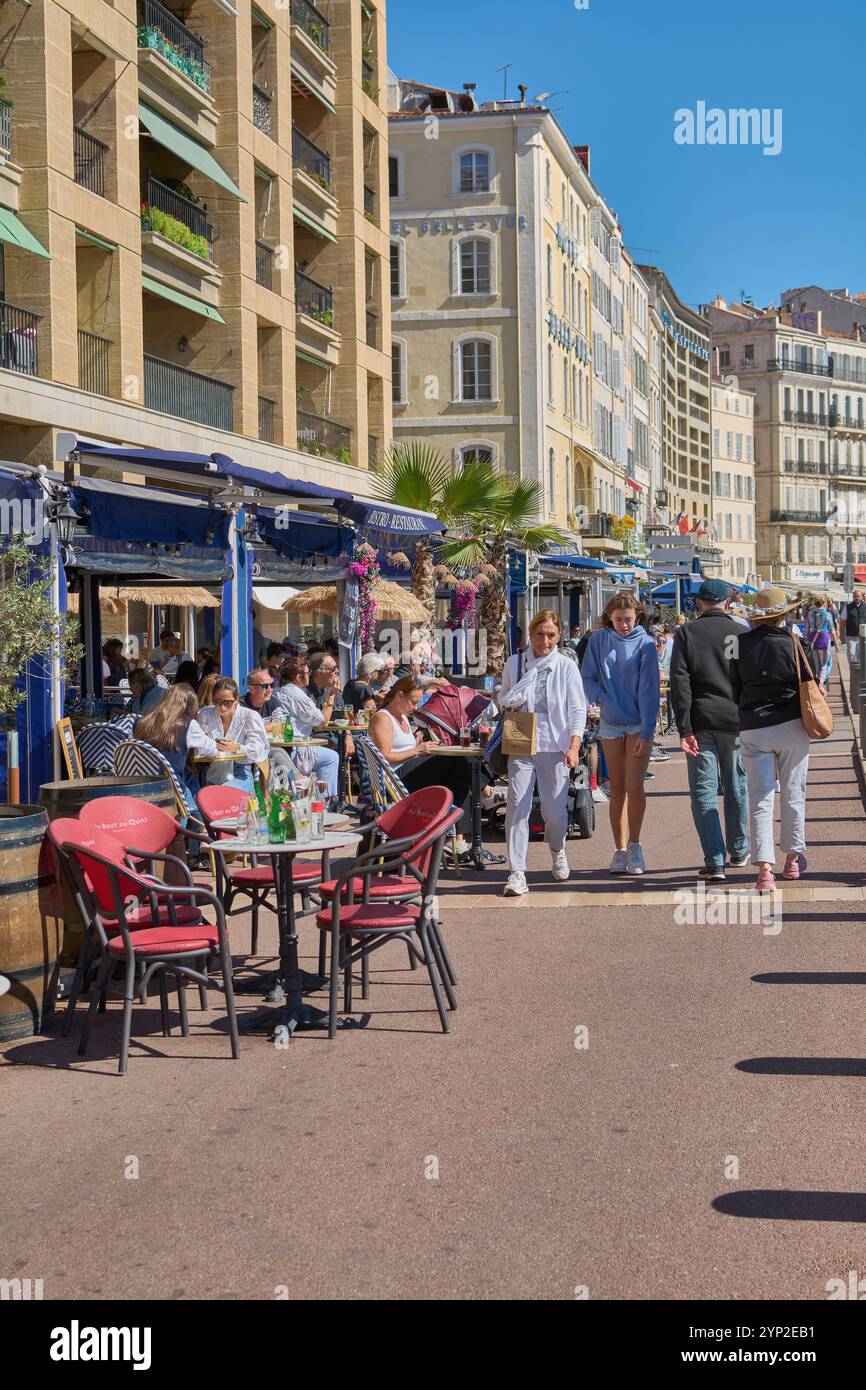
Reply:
x=133, y=559
x=689, y=586
x=385, y=519
x=579, y=562
x=299, y=535
x=121, y=512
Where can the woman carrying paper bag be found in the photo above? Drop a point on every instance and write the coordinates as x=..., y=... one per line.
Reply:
x=544, y=709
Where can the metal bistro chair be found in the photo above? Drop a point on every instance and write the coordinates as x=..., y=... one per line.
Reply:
x=103, y=888
x=134, y=758
x=359, y=928
x=387, y=788
x=96, y=745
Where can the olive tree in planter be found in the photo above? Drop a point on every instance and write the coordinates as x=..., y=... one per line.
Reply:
x=29, y=627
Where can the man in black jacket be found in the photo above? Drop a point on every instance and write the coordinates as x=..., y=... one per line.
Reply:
x=854, y=614
x=708, y=721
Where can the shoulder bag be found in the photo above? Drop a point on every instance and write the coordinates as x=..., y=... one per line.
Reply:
x=519, y=731
x=814, y=709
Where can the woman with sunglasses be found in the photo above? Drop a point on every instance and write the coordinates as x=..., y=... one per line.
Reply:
x=237, y=729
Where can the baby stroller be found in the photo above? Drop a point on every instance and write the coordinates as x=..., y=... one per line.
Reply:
x=581, y=807
x=449, y=709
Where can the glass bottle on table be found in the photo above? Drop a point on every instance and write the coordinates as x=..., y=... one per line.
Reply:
x=288, y=730
x=287, y=816
x=276, y=825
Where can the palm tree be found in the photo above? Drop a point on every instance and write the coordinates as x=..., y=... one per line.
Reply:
x=415, y=475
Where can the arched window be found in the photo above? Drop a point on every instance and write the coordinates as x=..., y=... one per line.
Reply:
x=473, y=169
x=475, y=369
x=481, y=450
x=474, y=265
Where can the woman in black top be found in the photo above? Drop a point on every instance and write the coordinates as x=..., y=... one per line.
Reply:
x=773, y=741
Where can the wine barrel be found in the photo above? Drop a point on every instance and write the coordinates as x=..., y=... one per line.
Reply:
x=29, y=933
x=66, y=799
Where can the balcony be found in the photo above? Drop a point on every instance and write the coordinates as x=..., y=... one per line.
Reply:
x=369, y=204
x=372, y=330
x=311, y=159
x=93, y=362
x=805, y=417
x=18, y=339
x=368, y=80
x=5, y=129
x=88, y=155
x=175, y=218
x=845, y=423
x=186, y=394
x=314, y=323
x=162, y=32
x=324, y=437
x=372, y=448
x=313, y=23
x=267, y=417
x=313, y=185
x=783, y=364
x=264, y=265
x=262, y=104
x=314, y=300
x=803, y=466
x=800, y=518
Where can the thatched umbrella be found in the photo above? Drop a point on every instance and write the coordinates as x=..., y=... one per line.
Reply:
x=391, y=601
x=170, y=596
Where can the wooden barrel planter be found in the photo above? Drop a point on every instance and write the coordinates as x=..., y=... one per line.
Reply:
x=66, y=799
x=29, y=930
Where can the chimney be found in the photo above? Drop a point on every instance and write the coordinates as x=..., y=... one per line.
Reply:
x=582, y=152
x=470, y=87
x=522, y=89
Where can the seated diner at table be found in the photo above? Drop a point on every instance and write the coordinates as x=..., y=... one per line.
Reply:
x=172, y=726
x=145, y=690
x=293, y=701
x=359, y=692
x=261, y=697
x=235, y=729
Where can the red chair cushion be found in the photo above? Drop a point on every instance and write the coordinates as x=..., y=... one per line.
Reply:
x=166, y=941
x=373, y=917
x=384, y=887
x=263, y=873
x=140, y=917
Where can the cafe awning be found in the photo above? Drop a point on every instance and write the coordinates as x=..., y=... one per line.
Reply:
x=12, y=229
x=122, y=512
x=172, y=138
x=186, y=301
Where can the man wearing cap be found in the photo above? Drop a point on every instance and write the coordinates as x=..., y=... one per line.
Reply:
x=708, y=720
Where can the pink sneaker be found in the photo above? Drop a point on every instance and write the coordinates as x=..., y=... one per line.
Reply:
x=766, y=882
x=795, y=866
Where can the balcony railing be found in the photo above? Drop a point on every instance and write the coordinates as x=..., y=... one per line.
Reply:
x=264, y=265
x=785, y=364
x=89, y=158
x=319, y=436
x=93, y=362
x=314, y=299
x=369, y=203
x=598, y=526
x=313, y=23
x=844, y=422
x=163, y=32
x=177, y=218
x=368, y=80
x=18, y=339
x=372, y=330
x=187, y=395
x=804, y=466
x=805, y=417
x=5, y=127
x=261, y=110
x=311, y=158
x=800, y=518
x=267, y=416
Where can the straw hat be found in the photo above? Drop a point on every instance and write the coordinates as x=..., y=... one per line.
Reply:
x=772, y=603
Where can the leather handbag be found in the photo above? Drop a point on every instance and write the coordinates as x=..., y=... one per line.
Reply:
x=815, y=712
x=519, y=730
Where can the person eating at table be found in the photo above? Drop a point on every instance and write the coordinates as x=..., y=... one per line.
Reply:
x=295, y=701
x=416, y=759
x=238, y=730
x=360, y=693
x=262, y=698
x=172, y=726
x=145, y=690
x=324, y=690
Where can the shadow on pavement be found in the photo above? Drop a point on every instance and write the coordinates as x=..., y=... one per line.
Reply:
x=804, y=1066
x=766, y=1205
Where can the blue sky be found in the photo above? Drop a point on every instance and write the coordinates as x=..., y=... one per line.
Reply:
x=720, y=218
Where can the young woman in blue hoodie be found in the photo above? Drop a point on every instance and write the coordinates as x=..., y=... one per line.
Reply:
x=621, y=674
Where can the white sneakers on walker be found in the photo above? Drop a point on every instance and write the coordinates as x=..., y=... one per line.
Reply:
x=515, y=886
x=561, y=866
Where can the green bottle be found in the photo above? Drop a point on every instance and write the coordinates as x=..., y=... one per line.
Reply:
x=260, y=797
x=288, y=730
x=288, y=817
x=276, y=828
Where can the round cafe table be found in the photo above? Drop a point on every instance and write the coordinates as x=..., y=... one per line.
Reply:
x=294, y=1013
x=476, y=753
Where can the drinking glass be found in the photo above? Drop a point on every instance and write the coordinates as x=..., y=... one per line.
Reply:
x=301, y=810
x=465, y=736
x=348, y=712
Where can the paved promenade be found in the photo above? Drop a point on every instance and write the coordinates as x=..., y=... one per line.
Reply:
x=637, y=1100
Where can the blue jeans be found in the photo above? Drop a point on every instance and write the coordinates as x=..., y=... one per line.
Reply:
x=719, y=761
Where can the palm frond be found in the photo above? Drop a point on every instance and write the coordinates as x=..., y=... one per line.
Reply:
x=537, y=538
x=464, y=552
x=411, y=475
x=474, y=489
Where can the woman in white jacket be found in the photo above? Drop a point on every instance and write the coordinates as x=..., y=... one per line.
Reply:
x=545, y=683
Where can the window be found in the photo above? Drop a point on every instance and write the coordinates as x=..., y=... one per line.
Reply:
x=565, y=291
x=397, y=270
x=548, y=182
x=550, y=374
x=551, y=481
x=729, y=444
x=398, y=372
x=395, y=188
x=716, y=443
x=550, y=274
x=480, y=453
x=474, y=172
x=565, y=410
x=476, y=370
x=475, y=276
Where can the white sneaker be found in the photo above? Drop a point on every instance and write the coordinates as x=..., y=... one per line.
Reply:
x=599, y=794
x=516, y=886
x=618, y=863
x=634, y=859
x=561, y=866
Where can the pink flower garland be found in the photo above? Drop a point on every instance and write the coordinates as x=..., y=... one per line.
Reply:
x=364, y=567
x=463, y=604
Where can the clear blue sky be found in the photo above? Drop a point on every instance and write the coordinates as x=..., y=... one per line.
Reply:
x=721, y=218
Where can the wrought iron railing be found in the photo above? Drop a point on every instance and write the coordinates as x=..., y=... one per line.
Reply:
x=162, y=31
x=5, y=127
x=18, y=339
x=261, y=110
x=319, y=436
x=314, y=299
x=785, y=364
x=163, y=201
x=805, y=417
x=799, y=518
x=93, y=362
x=836, y=421
x=310, y=157
x=89, y=158
x=264, y=265
x=267, y=418
x=313, y=22
x=186, y=394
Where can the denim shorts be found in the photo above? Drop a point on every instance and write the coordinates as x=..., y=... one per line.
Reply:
x=606, y=730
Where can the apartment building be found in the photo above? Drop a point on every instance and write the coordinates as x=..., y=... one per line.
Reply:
x=490, y=288
x=733, y=450
x=810, y=435
x=193, y=227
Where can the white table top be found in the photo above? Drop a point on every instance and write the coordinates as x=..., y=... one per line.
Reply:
x=330, y=840
x=333, y=819
x=455, y=751
x=298, y=743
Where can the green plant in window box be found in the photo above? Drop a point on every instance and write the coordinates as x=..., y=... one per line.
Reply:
x=370, y=88
x=173, y=230
x=344, y=455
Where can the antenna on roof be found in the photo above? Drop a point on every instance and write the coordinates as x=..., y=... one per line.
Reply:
x=505, y=70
